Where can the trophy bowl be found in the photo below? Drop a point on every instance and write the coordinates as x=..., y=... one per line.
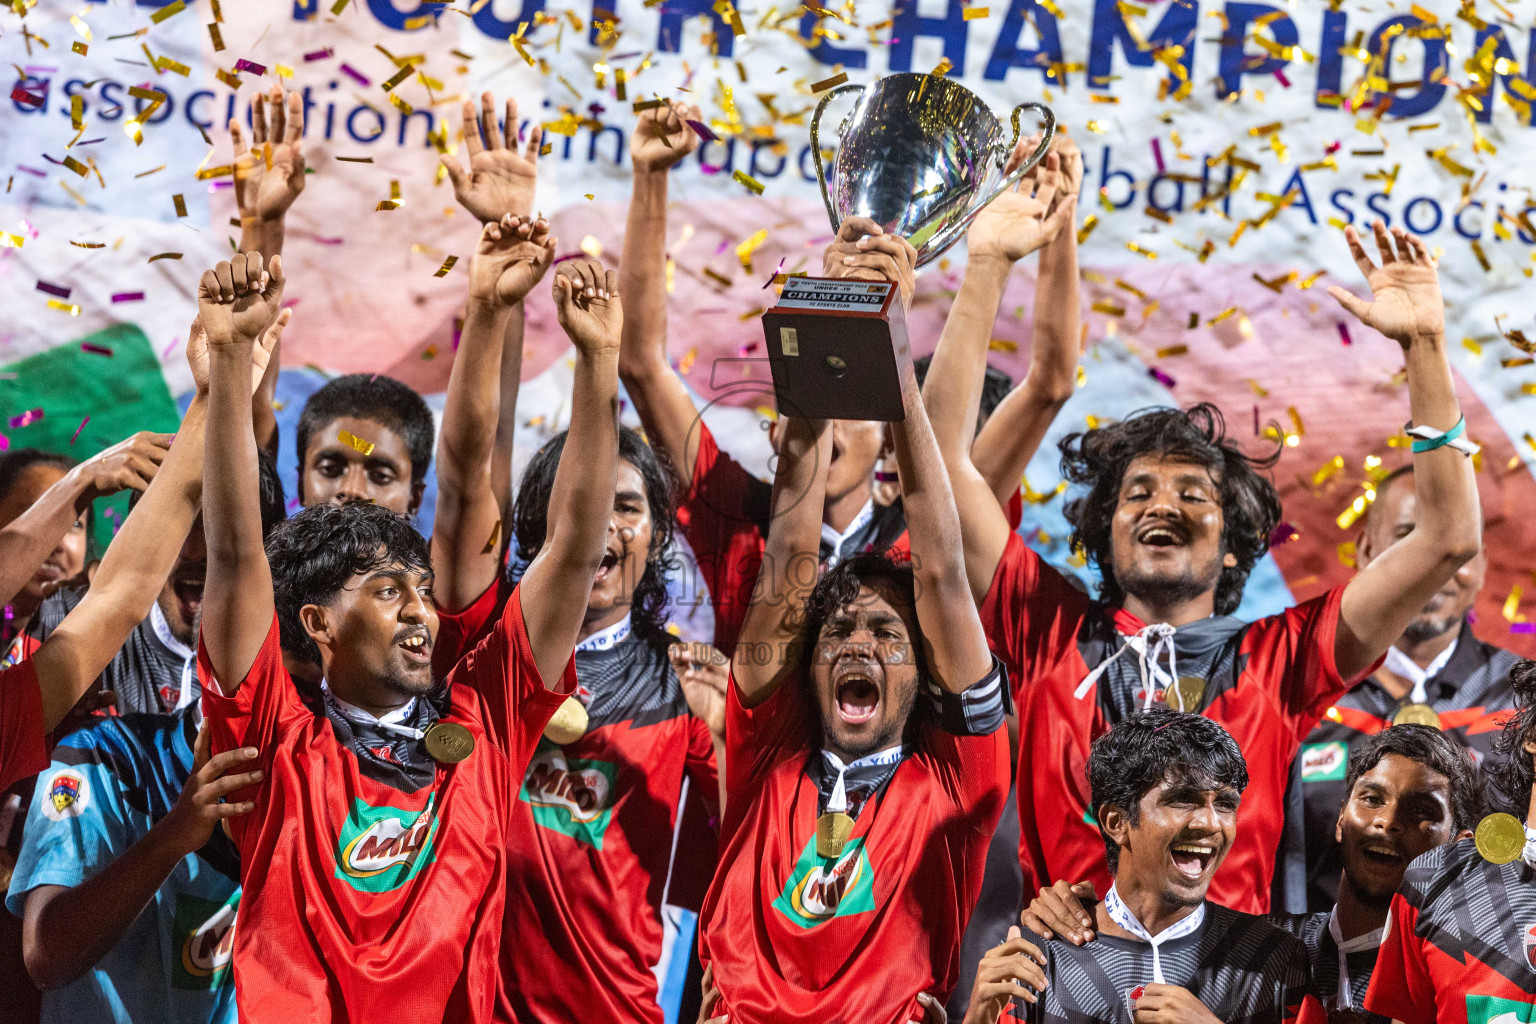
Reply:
x=920, y=155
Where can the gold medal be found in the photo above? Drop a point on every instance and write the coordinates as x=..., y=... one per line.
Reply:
x=448, y=742
x=1188, y=692
x=569, y=723
x=834, y=828
x=1416, y=714
x=1500, y=838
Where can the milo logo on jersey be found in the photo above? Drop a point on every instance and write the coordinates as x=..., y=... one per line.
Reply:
x=818, y=891
x=1324, y=762
x=570, y=795
x=382, y=848
x=1493, y=1010
x=204, y=935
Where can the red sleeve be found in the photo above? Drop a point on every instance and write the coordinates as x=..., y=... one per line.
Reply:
x=501, y=669
x=23, y=743
x=719, y=516
x=458, y=632
x=1015, y=509
x=1401, y=986
x=1295, y=649
x=700, y=765
x=1031, y=614
x=1309, y=1012
x=757, y=739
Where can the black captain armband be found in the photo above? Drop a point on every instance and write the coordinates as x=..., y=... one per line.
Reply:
x=979, y=711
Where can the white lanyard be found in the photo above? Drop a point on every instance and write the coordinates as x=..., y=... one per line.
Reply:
x=1370, y=940
x=606, y=638
x=1150, y=644
x=163, y=632
x=389, y=723
x=1399, y=664
x=1118, y=912
x=838, y=802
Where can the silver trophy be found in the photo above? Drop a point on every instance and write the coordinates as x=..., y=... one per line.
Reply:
x=921, y=155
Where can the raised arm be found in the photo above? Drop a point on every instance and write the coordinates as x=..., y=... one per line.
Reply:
x=269, y=175
x=1015, y=224
x=1013, y=434
x=31, y=537
x=661, y=138
x=953, y=640
x=511, y=257
x=1406, y=306
x=237, y=301
x=765, y=651
x=506, y=419
x=558, y=583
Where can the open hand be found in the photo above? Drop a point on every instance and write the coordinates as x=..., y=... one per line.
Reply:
x=1013, y=970
x=238, y=300
x=1058, y=911
x=1169, y=1004
x=269, y=175
x=1405, y=290
x=662, y=136
x=587, y=305
x=513, y=255
x=863, y=251
x=131, y=463
x=704, y=674
x=500, y=179
x=1025, y=217
x=198, y=810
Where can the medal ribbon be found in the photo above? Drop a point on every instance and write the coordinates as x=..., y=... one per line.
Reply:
x=838, y=802
x=1150, y=644
x=188, y=655
x=1121, y=914
x=1370, y=940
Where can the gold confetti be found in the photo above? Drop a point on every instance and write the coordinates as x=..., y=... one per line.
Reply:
x=224, y=171
x=1089, y=224
x=943, y=67
x=717, y=277
x=399, y=76
x=745, y=250
x=1108, y=308
x=1002, y=345
x=64, y=307
x=181, y=205
x=355, y=442
x=829, y=83
x=1148, y=253
x=1482, y=258
x=750, y=182
x=972, y=13
x=1511, y=607
x=1219, y=317
x=12, y=241
x=448, y=263
x=76, y=166
x=490, y=545
x=592, y=247
x=386, y=204
x=78, y=47
x=1328, y=470
x=165, y=256
x=168, y=11
x=1172, y=350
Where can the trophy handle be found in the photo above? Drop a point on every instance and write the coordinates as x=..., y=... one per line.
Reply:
x=951, y=234
x=821, y=176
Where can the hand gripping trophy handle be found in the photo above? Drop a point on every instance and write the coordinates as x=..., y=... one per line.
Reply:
x=999, y=152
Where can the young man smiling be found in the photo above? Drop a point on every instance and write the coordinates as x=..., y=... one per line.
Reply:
x=1175, y=516
x=1461, y=943
x=1410, y=789
x=374, y=860
x=866, y=761
x=1166, y=787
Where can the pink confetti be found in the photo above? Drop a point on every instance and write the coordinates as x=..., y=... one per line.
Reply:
x=53, y=289
x=319, y=54
x=725, y=243
x=78, y=429
x=1280, y=77
x=1255, y=421
x=1161, y=377
x=128, y=297
x=170, y=348
x=702, y=131
x=30, y=416
x=1333, y=147
x=1283, y=534
x=1522, y=627
x=776, y=271
x=99, y=350
x=20, y=95
x=249, y=65
x=1157, y=155
x=747, y=349
x=5, y=443
x=32, y=170
x=707, y=169
x=1344, y=333
x=355, y=75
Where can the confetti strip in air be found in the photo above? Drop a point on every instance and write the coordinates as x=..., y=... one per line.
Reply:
x=165, y=256
x=64, y=307
x=53, y=289
x=830, y=83
x=355, y=442
x=448, y=263
x=751, y=183
x=168, y=11
x=128, y=297
x=75, y=436
x=30, y=416
x=97, y=350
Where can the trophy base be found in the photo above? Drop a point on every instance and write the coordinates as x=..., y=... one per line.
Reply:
x=838, y=350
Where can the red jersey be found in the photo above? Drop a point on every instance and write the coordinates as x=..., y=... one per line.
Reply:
x=375, y=879
x=1266, y=682
x=1461, y=945
x=796, y=939
x=592, y=834
x=23, y=747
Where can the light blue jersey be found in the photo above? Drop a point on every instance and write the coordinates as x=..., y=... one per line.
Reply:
x=107, y=786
